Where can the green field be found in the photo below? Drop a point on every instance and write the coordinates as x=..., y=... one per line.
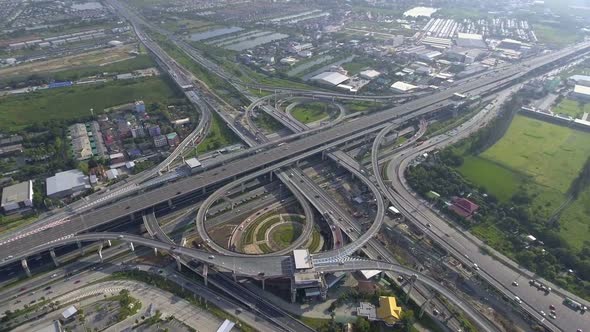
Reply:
x=541, y=159
x=17, y=112
x=283, y=235
x=556, y=36
x=500, y=181
x=552, y=155
x=311, y=112
x=572, y=108
x=218, y=137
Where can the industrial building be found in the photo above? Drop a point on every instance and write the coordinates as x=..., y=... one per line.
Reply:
x=369, y=74
x=580, y=79
x=17, y=197
x=330, y=78
x=470, y=40
x=402, y=87
x=67, y=183
x=581, y=92
x=388, y=311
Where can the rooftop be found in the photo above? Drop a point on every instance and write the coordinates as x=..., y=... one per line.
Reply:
x=65, y=181
x=330, y=77
x=69, y=312
x=581, y=89
x=17, y=193
x=302, y=259
x=403, y=86
x=193, y=162
x=388, y=310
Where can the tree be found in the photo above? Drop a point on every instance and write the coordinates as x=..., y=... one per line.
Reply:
x=362, y=325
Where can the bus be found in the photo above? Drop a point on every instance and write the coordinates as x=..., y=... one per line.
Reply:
x=394, y=212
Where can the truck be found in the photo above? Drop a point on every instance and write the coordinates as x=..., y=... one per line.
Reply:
x=392, y=209
x=575, y=305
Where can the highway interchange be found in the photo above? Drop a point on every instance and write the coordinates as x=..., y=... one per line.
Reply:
x=259, y=161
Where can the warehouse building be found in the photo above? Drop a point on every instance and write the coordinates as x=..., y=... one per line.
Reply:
x=67, y=183
x=581, y=93
x=330, y=78
x=17, y=197
x=402, y=87
x=470, y=40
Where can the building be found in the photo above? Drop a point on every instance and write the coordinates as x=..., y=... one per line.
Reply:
x=160, y=141
x=139, y=106
x=67, y=183
x=68, y=315
x=470, y=40
x=193, y=164
x=438, y=43
x=154, y=130
x=402, y=87
x=302, y=259
x=81, y=146
x=17, y=197
x=388, y=310
x=137, y=131
x=464, y=207
x=117, y=158
x=330, y=78
x=173, y=139
x=368, y=310
x=112, y=174
x=369, y=74
x=226, y=326
x=510, y=44
x=581, y=93
x=580, y=79
x=429, y=56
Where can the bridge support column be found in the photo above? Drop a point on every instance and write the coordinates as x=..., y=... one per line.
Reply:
x=183, y=241
x=155, y=251
x=79, y=243
x=178, y=263
x=323, y=289
x=54, y=257
x=412, y=281
x=109, y=243
x=100, y=254
x=26, y=267
x=233, y=274
x=205, y=271
x=323, y=155
x=424, y=305
x=204, y=190
x=131, y=246
x=242, y=187
x=270, y=176
x=298, y=162
x=170, y=205
x=293, y=290
x=263, y=283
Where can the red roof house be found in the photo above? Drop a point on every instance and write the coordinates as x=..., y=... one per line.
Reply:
x=464, y=207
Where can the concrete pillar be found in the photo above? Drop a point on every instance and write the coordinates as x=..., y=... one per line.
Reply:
x=183, y=241
x=424, y=305
x=79, y=243
x=242, y=187
x=109, y=243
x=270, y=176
x=54, y=257
x=233, y=274
x=412, y=281
x=204, y=190
x=293, y=295
x=131, y=246
x=324, y=155
x=178, y=263
x=170, y=205
x=263, y=283
x=205, y=271
x=100, y=253
x=155, y=251
x=26, y=267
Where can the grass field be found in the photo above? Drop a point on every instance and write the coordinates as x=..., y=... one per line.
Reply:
x=541, y=159
x=572, y=108
x=99, y=60
x=283, y=235
x=17, y=112
x=556, y=36
x=311, y=112
x=552, y=155
x=219, y=136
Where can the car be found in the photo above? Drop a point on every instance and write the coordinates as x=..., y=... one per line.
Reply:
x=53, y=275
x=23, y=289
x=475, y=267
x=542, y=313
x=47, y=288
x=551, y=307
x=121, y=236
x=515, y=284
x=340, y=263
x=77, y=282
x=435, y=312
x=579, y=330
x=211, y=257
x=517, y=299
x=428, y=225
x=31, y=293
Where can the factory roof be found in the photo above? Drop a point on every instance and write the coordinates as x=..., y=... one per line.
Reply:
x=64, y=181
x=473, y=36
x=193, y=162
x=17, y=193
x=581, y=89
x=302, y=259
x=403, y=86
x=330, y=77
x=370, y=74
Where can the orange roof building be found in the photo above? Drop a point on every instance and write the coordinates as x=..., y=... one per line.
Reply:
x=388, y=310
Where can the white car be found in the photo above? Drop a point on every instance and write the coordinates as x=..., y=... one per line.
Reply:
x=543, y=313
x=517, y=299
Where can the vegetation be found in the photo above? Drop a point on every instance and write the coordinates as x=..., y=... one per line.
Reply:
x=524, y=183
x=219, y=136
x=267, y=223
x=128, y=305
x=314, y=246
x=267, y=122
x=283, y=235
x=572, y=108
x=17, y=112
x=557, y=35
x=310, y=112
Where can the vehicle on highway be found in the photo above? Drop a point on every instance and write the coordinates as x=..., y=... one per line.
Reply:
x=515, y=284
x=517, y=299
x=77, y=282
x=53, y=275
x=211, y=257
x=47, y=288
x=475, y=267
x=551, y=307
x=552, y=315
x=542, y=313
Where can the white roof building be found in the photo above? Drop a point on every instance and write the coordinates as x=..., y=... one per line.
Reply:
x=402, y=87
x=302, y=259
x=368, y=274
x=17, y=196
x=68, y=313
x=330, y=78
x=581, y=92
x=193, y=163
x=369, y=74
x=226, y=326
x=112, y=174
x=470, y=40
x=67, y=183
